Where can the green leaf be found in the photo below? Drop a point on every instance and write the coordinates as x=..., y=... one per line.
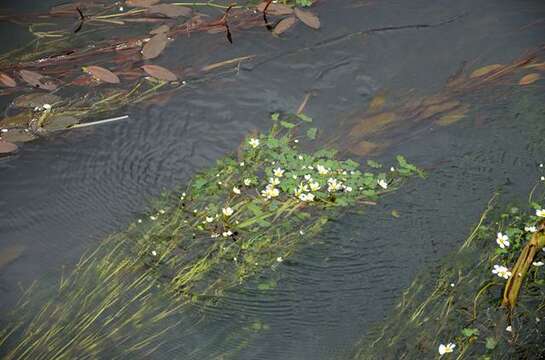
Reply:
x=304, y=117
x=468, y=332
x=287, y=125
x=275, y=116
x=311, y=133
x=373, y=164
x=491, y=343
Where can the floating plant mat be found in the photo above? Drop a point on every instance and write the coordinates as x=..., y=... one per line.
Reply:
x=231, y=223
x=486, y=301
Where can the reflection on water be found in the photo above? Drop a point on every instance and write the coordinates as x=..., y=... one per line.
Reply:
x=61, y=195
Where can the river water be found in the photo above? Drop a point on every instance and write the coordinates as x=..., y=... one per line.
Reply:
x=60, y=195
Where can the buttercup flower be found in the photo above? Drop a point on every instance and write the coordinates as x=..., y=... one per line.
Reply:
x=540, y=213
x=227, y=233
x=308, y=177
x=254, y=142
x=446, y=349
x=531, y=229
x=236, y=190
x=247, y=182
x=509, y=328
x=274, y=181
x=502, y=271
x=383, y=184
x=301, y=188
x=270, y=192
x=306, y=197
x=209, y=219
x=502, y=240
x=279, y=259
x=278, y=172
x=227, y=211
x=154, y=253
x=314, y=186
x=333, y=185
x=347, y=189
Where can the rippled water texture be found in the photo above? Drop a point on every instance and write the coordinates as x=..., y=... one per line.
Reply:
x=60, y=195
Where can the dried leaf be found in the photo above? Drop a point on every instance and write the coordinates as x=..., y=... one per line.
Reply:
x=275, y=9
x=169, y=10
x=31, y=77
x=18, y=135
x=35, y=100
x=529, y=79
x=102, y=74
x=373, y=124
x=160, y=30
x=7, y=147
x=159, y=72
x=60, y=122
x=308, y=18
x=438, y=108
x=284, y=25
x=7, y=80
x=141, y=3
x=538, y=66
x=453, y=116
x=155, y=46
x=377, y=103
x=485, y=70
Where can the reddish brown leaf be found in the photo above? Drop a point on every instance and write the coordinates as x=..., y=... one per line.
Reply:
x=31, y=77
x=83, y=80
x=102, y=74
x=160, y=30
x=308, y=18
x=155, y=46
x=169, y=10
x=7, y=80
x=7, y=147
x=529, y=79
x=159, y=72
x=284, y=25
x=141, y=3
x=275, y=9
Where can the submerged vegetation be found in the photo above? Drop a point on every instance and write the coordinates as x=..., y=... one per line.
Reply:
x=244, y=215
x=486, y=301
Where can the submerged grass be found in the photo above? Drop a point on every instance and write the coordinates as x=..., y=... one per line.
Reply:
x=459, y=309
x=243, y=216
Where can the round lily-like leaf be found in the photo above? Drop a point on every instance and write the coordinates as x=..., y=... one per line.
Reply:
x=60, y=122
x=159, y=72
x=102, y=74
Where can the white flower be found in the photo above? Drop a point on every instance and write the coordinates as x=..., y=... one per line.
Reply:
x=540, y=213
x=227, y=233
x=274, y=181
x=236, y=190
x=542, y=178
x=392, y=169
x=502, y=240
x=296, y=141
x=242, y=164
x=270, y=192
x=47, y=107
x=227, y=211
x=383, y=184
x=279, y=259
x=162, y=211
x=333, y=185
x=278, y=172
x=300, y=157
x=294, y=176
x=538, y=263
x=214, y=235
x=308, y=177
x=310, y=167
x=301, y=232
x=254, y=142
x=531, y=229
x=314, y=186
x=209, y=219
x=154, y=253
x=502, y=271
x=446, y=349
x=301, y=188
x=306, y=197
x=509, y=328
x=347, y=189
x=153, y=217
x=247, y=182
x=140, y=221
x=322, y=170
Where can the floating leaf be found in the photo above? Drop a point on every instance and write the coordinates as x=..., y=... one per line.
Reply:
x=395, y=213
x=308, y=18
x=275, y=9
x=141, y=3
x=169, y=10
x=485, y=70
x=284, y=25
x=35, y=100
x=529, y=79
x=7, y=147
x=438, y=108
x=377, y=103
x=454, y=116
x=7, y=80
x=60, y=122
x=538, y=66
x=160, y=30
x=18, y=135
x=102, y=74
x=155, y=46
x=311, y=133
x=159, y=72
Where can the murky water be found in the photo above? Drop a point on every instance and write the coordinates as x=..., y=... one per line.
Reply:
x=61, y=195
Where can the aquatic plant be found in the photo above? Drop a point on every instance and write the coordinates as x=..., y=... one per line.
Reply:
x=248, y=213
x=486, y=301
